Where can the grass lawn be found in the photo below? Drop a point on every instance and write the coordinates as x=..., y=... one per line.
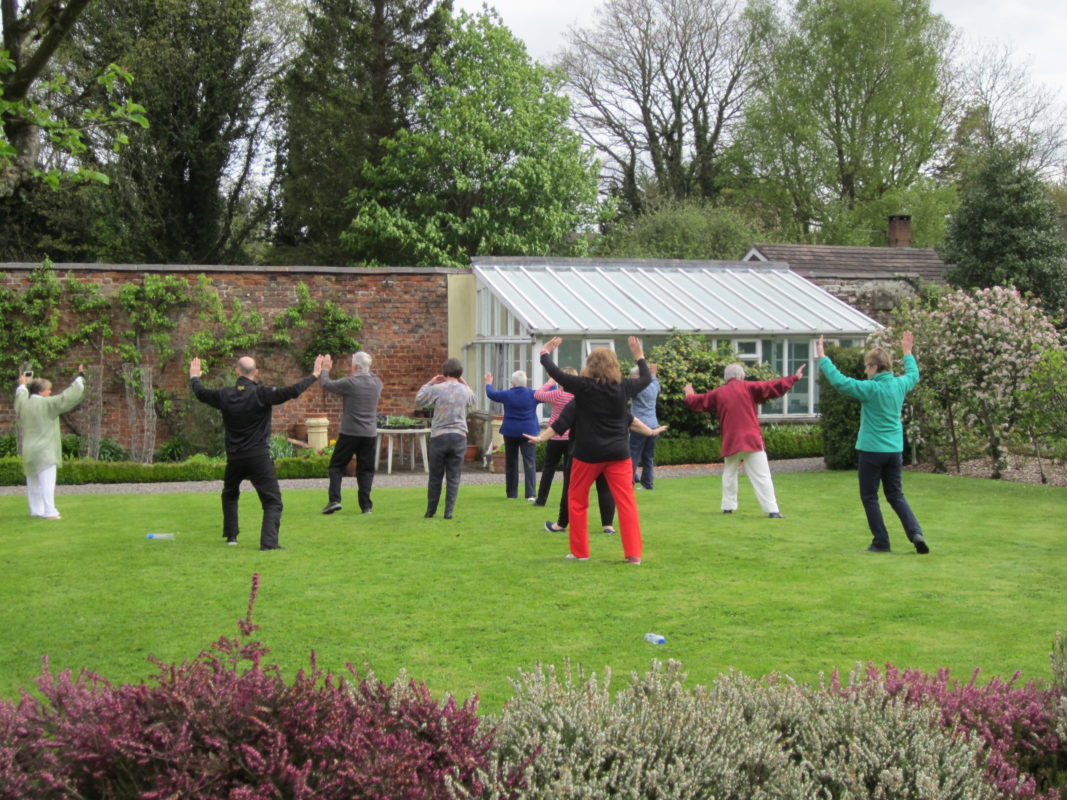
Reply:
x=463, y=604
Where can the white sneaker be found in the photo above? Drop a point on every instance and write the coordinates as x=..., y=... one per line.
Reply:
x=531, y=499
x=573, y=557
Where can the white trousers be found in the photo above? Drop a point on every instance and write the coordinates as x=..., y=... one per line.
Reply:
x=41, y=492
x=759, y=475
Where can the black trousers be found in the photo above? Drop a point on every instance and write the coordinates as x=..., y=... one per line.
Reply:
x=259, y=471
x=362, y=449
x=446, y=463
x=605, y=499
x=556, y=451
x=515, y=446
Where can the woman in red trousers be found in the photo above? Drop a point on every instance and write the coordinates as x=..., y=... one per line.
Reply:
x=601, y=441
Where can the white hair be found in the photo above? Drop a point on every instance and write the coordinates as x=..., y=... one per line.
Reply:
x=518, y=378
x=733, y=371
x=361, y=361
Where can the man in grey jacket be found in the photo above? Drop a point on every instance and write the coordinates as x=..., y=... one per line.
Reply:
x=359, y=428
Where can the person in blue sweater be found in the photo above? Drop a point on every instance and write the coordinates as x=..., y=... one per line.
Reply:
x=520, y=418
x=880, y=443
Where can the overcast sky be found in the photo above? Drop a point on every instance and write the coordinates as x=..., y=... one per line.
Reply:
x=1034, y=29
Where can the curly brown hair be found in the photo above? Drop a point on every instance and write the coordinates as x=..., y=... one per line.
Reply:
x=602, y=366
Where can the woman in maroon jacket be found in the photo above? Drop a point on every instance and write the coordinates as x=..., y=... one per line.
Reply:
x=736, y=402
x=601, y=440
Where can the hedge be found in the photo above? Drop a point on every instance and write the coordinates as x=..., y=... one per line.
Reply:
x=198, y=468
x=782, y=441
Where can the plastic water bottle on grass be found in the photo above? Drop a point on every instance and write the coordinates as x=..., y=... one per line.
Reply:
x=655, y=638
x=159, y=536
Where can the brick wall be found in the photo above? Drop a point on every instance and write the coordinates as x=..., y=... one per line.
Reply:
x=405, y=329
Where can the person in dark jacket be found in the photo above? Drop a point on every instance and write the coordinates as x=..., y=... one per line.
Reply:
x=520, y=418
x=601, y=441
x=246, y=417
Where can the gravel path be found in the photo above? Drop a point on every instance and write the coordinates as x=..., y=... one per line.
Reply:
x=473, y=474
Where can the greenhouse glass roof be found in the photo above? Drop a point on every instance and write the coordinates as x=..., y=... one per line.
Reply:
x=590, y=296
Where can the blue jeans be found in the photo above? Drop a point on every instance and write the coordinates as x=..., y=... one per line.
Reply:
x=642, y=454
x=885, y=469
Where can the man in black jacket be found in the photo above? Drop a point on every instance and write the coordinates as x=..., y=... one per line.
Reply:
x=246, y=416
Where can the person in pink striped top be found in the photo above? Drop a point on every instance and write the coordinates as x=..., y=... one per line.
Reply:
x=557, y=448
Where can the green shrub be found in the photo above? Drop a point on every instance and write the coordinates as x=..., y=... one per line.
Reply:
x=71, y=445
x=11, y=473
x=793, y=441
x=177, y=449
x=110, y=450
x=841, y=413
x=688, y=450
x=691, y=358
x=315, y=466
x=8, y=445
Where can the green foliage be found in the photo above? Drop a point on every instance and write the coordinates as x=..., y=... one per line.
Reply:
x=8, y=445
x=35, y=103
x=683, y=230
x=1045, y=400
x=688, y=450
x=488, y=166
x=1006, y=232
x=780, y=441
x=30, y=330
x=692, y=358
x=332, y=329
x=841, y=413
x=110, y=450
x=851, y=109
x=350, y=87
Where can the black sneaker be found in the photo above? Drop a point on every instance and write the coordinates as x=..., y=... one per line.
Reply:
x=231, y=541
x=921, y=547
x=873, y=549
x=331, y=507
x=775, y=515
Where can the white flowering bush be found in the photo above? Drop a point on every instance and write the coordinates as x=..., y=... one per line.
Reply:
x=740, y=739
x=977, y=350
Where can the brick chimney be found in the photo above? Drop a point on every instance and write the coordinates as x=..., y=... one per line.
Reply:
x=900, y=230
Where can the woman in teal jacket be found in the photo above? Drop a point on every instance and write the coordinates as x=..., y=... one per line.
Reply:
x=880, y=443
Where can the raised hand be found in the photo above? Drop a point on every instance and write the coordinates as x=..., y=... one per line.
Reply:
x=800, y=371
x=488, y=378
x=688, y=389
x=194, y=367
x=553, y=343
x=907, y=341
x=820, y=347
x=636, y=350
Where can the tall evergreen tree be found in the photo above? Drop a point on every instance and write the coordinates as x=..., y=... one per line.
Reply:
x=350, y=87
x=1006, y=232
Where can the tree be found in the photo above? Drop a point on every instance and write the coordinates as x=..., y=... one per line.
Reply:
x=38, y=137
x=185, y=190
x=977, y=351
x=687, y=230
x=659, y=86
x=1001, y=107
x=1006, y=232
x=349, y=88
x=488, y=166
x=851, y=107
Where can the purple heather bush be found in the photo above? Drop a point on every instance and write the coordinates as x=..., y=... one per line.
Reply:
x=1020, y=726
x=225, y=726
